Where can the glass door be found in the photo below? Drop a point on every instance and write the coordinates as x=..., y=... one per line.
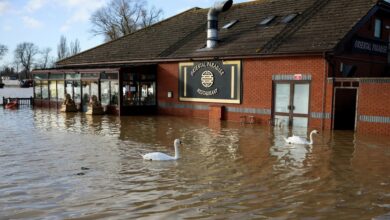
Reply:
x=282, y=100
x=291, y=103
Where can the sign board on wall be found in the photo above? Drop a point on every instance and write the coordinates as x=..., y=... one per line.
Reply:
x=369, y=46
x=210, y=81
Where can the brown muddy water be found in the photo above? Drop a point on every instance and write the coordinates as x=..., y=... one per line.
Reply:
x=73, y=166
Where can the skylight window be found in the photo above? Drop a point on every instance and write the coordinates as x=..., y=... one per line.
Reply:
x=267, y=20
x=288, y=18
x=230, y=24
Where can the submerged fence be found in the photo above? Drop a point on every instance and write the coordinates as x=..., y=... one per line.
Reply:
x=19, y=101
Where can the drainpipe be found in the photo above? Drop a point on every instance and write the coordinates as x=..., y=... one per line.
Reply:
x=212, y=21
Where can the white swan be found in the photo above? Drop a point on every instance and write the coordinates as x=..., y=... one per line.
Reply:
x=300, y=140
x=162, y=156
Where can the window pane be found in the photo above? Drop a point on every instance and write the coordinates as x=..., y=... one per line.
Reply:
x=130, y=93
x=282, y=98
x=89, y=75
x=60, y=90
x=378, y=28
x=37, y=90
x=114, y=92
x=53, y=90
x=40, y=76
x=95, y=88
x=301, y=98
x=105, y=92
x=56, y=76
x=77, y=91
x=109, y=75
x=86, y=95
x=45, y=89
x=72, y=76
x=148, y=93
x=69, y=88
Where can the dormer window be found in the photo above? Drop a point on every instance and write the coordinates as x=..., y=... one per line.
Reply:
x=267, y=20
x=288, y=18
x=230, y=24
x=378, y=28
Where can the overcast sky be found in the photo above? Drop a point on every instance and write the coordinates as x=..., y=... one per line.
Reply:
x=42, y=22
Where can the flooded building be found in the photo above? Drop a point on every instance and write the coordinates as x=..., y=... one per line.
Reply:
x=320, y=64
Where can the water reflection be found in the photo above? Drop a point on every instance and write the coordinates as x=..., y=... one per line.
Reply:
x=81, y=166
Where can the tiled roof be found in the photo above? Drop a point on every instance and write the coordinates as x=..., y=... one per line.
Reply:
x=319, y=27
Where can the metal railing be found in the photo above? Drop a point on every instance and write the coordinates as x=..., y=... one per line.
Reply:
x=20, y=101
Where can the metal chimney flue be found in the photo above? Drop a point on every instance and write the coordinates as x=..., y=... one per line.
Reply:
x=212, y=21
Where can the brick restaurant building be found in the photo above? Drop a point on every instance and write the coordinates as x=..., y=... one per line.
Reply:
x=316, y=63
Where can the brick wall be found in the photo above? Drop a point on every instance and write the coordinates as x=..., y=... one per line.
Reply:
x=256, y=86
x=374, y=108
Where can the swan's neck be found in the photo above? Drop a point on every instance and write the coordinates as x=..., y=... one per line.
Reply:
x=177, y=153
x=311, y=137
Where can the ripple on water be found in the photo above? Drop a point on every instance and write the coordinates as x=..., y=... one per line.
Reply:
x=59, y=166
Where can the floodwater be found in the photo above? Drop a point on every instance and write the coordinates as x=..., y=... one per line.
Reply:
x=76, y=166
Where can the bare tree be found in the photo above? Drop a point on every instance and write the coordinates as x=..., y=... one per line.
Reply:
x=3, y=50
x=46, y=60
x=75, y=47
x=62, y=49
x=121, y=17
x=24, y=54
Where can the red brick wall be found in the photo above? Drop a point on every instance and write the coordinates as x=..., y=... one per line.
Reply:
x=257, y=87
x=373, y=100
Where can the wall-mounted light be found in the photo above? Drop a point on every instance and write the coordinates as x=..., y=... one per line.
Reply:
x=170, y=94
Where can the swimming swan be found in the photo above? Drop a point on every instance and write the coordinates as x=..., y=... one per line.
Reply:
x=300, y=140
x=162, y=156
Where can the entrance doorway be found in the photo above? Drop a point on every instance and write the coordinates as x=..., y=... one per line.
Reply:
x=345, y=109
x=291, y=103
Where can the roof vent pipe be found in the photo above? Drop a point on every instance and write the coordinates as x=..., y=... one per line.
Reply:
x=212, y=21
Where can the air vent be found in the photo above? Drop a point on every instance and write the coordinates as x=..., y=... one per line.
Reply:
x=267, y=20
x=288, y=18
x=230, y=24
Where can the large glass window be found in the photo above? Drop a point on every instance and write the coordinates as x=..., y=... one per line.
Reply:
x=37, y=89
x=105, y=92
x=60, y=90
x=114, y=92
x=53, y=90
x=86, y=95
x=77, y=91
x=139, y=89
x=69, y=88
x=45, y=89
x=148, y=93
x=130, y=93
x=95, y=88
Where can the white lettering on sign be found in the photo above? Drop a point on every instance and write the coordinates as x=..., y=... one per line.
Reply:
x=213, y=65
x=379, y=48
x=370, y=46
x=363, y=45
x=207, y=93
